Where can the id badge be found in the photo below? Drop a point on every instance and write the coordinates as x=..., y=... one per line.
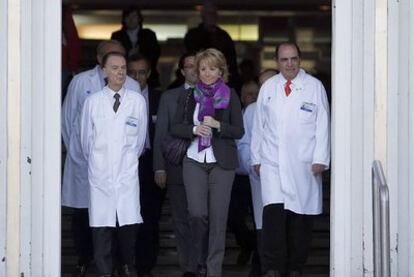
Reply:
x=307, y=107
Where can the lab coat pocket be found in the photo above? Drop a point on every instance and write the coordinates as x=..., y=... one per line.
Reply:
x=307, y=113
x=131, y=126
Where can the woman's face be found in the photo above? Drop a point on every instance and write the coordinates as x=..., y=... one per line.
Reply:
x=208, y=73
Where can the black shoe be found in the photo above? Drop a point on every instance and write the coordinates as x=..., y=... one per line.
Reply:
x=202, y=271
x=189, y=274
x=80, y=271
x=244, y=256
x=146, y=274
x=128, y=271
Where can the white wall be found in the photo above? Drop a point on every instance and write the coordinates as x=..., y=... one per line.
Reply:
x=402, y=58
x=353, y=135
x=30, y=45
x=3, y=134
x=373, y=118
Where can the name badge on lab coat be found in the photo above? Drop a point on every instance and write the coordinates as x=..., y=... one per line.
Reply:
x=307, y=107
x=132, y=121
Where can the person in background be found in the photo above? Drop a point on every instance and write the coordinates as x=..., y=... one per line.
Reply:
x=208, y=35
x=241, y=197
x=75, y=186
x=137, y=39
x=266, y=74
x=113, y=127
x=247, y=71
x=290, y=148
x=212, y=121
x=249, y=93
x=170, y=175
x=71, y=48
x=152, y=196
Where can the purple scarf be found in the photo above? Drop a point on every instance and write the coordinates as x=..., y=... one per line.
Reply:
x=210, y=98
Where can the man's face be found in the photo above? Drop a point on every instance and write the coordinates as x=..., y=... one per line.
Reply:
x=189, y=70
x=139, y=71
x=115, y=70
x=249, y=93
x=132, y=20
x=209, y=14
x=288, y=61
x=110, y=47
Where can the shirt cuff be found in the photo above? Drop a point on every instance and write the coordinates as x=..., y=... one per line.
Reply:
x=194, y=130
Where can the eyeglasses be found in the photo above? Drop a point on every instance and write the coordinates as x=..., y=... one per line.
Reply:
x=137, y=72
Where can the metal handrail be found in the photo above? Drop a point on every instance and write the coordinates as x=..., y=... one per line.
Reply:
x=381, y=222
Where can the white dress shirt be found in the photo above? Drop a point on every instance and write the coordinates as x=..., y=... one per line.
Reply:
x=206, y=155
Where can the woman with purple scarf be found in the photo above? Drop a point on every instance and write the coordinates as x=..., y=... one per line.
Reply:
x=212, y=119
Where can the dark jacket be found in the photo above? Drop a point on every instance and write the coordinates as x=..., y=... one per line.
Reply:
x=223, y=142
x=165, y=117
x=147, y=45
x=145, y=164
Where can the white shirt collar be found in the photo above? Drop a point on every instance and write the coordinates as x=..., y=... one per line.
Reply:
x=297, y=81
x=187, y=86
x=111, y=93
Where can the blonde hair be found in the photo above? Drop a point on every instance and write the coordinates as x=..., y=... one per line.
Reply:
x=215, y=58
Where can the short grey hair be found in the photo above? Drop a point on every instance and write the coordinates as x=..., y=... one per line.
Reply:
x=101, y=46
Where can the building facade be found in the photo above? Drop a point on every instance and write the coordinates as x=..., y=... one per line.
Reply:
x=372, y=119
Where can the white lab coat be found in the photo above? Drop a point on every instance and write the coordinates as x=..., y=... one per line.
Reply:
x=75, y=188
x=112, y=143
x=245, y=168
x=289, y=135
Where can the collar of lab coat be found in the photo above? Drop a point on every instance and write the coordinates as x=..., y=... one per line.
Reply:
x=297, y=81
x=110, y=93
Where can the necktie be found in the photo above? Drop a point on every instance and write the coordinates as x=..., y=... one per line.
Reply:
x=287, y=87
x=117, y=103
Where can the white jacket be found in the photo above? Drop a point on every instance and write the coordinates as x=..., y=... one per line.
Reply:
x=112, y=143
x=289, y=135
x=75, y=188
x=243, y=148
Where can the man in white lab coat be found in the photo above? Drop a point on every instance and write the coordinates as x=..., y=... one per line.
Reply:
x=290, y=149
x=113, y=130
x=75, y=187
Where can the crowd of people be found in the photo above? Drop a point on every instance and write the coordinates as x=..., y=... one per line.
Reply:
x=251, y=144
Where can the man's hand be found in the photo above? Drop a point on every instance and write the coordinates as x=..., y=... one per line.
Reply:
x=256, y=168
x=160, y=178
x=318, y=169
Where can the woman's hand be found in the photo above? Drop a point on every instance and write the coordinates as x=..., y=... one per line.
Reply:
x=203, y=131
x=211, y=122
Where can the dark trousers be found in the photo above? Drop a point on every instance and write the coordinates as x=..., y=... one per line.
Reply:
x=103, y=246
x=82, y=235
x=182, y=231
x=208, y=190
x=151, y=197
x=286, y=238
x=240, y=207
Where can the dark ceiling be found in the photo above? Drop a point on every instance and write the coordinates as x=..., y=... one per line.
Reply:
x=291, y=5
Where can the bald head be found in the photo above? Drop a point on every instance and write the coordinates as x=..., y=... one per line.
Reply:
x=108, y=46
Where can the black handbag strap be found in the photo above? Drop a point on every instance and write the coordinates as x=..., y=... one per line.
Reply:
x=186, y=105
